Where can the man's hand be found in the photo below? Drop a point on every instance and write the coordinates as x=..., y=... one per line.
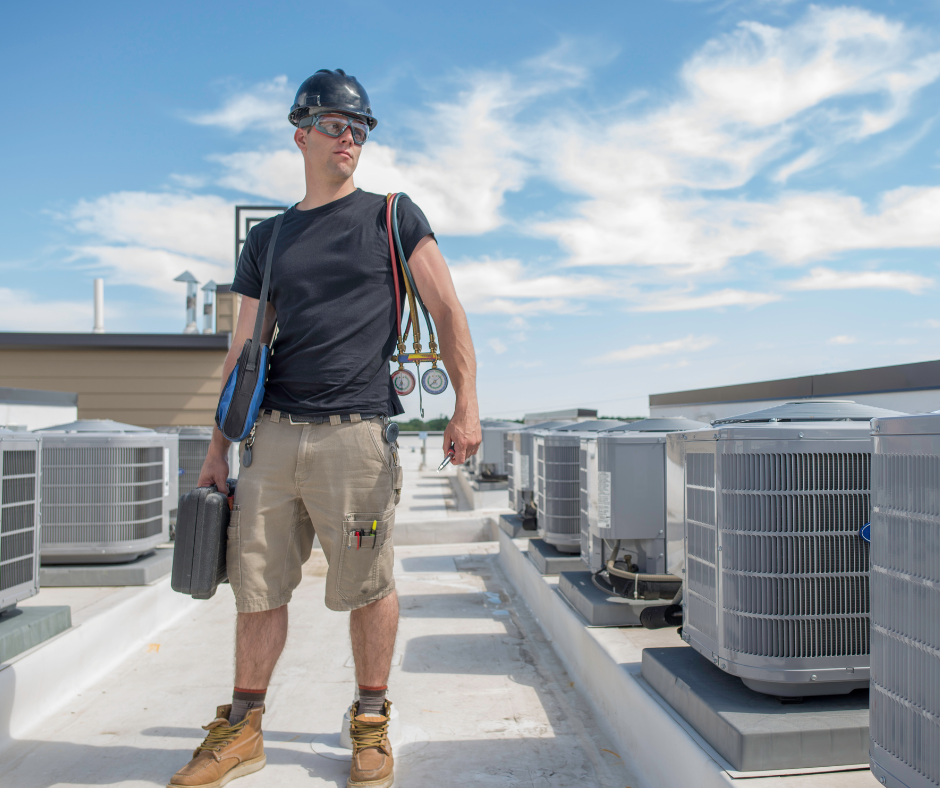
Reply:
x=463, y=437
x=215, y=470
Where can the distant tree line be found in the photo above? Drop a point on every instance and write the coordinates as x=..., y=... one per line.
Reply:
x=432, y=425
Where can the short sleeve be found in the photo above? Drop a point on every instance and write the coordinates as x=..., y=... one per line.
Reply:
x=248, y=277
x=412, y=225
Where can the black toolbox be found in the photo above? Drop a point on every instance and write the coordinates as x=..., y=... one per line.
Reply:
x=201, y=540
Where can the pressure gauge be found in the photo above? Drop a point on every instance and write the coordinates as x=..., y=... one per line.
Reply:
x=434, y=381
x=403, y=381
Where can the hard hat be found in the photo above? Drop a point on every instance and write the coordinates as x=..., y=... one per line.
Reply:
x=331, y=91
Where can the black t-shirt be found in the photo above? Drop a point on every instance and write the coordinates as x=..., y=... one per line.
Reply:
x=332, y=288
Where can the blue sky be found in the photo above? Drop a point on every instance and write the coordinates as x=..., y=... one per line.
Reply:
x=633, y=197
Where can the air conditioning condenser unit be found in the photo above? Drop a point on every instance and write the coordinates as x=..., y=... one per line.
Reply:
x=106, y=491
x=776, y=586
x=519, y=451
x=558, y=477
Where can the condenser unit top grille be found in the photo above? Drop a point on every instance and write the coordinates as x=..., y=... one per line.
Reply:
x=810, y=410
x=187, y=432
x=95, y=425
x=678, y=424
x=589, y=426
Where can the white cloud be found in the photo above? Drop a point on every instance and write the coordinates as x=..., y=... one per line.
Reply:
x=469, y=160
x=199, y=225
x=21, y=311
x=842, y=339
x=498, y=346
x=153, y=268
x=752, y=99
x=689, y=344
x=148, y=239
x=827, y=279
x=264, y=106
x=505, y=286
x=681, y=302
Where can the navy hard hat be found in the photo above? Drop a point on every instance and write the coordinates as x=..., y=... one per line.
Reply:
x=334, y=91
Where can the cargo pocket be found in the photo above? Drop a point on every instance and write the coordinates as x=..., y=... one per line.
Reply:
x=233, y=552
x=365, y=567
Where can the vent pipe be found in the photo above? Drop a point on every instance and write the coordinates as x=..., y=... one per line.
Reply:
x=208, y=307
x=99, y=307
x=191, y=283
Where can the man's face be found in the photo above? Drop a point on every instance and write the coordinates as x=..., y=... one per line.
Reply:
x=334, y=158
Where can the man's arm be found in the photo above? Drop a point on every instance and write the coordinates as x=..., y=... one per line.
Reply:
x=215, y=468
x=437, y=291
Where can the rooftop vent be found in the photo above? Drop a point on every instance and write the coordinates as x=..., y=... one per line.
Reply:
x=776, y=587
x=191, y=285
x=106, y=490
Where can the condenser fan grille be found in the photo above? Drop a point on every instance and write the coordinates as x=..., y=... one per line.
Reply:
x=701, y=547
x=797, y=637
x=18, y=524
x=102, y=495
x=786, y=472
x=193, y=453
x=905, y=657
x=794, y=568
x=559, y=468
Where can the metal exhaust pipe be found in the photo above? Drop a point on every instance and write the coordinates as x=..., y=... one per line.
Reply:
x=99, y=307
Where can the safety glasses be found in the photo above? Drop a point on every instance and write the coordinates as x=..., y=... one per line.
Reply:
x=335, y=126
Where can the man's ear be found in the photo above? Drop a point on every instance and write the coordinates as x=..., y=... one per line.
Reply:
x=300, y=138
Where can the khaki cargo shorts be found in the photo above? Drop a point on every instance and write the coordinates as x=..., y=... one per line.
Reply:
x=339, y=482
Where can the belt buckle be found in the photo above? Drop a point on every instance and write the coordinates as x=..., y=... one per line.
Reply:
x=290, y=416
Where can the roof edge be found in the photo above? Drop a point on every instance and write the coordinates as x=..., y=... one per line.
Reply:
x=919, y=376
x=11, y=339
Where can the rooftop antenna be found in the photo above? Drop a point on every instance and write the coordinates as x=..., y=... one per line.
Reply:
x=191, y=283
x=208, y=307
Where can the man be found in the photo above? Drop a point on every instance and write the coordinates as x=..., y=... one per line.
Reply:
x=320, y=459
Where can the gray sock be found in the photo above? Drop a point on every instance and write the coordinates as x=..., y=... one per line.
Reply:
x=243, y=701
x=372, y=700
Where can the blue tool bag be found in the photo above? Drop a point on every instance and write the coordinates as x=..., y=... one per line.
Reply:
x=244, y=390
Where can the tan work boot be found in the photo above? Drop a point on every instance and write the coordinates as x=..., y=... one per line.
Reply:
x=372, y=763
x=228, y=751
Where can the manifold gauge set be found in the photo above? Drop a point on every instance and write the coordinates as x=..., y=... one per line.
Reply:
x=434, y=380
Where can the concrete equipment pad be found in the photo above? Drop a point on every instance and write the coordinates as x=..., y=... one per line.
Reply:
x=141, y=572
x=24, y=627
x=482, y=494
x=511, y=525
x=755, y=731
x=550, y=560
x=597, y=608
x=605, y=663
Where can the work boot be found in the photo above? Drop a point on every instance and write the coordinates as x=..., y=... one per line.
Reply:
x=372, y=761
x=228, y=751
